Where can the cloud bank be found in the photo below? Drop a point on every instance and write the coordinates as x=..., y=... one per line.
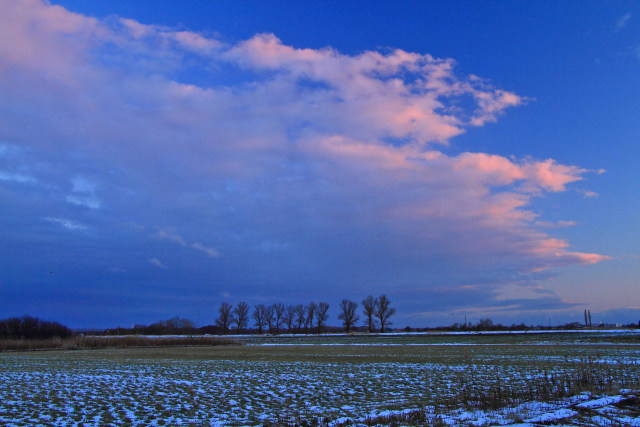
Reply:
x=301, y=166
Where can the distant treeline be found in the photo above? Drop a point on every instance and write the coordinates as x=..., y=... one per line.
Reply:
x=32, y=328
x=275, y=318
x=488, y=325
x=173, y=326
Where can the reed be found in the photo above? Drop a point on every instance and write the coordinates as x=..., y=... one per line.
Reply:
x=84, y=342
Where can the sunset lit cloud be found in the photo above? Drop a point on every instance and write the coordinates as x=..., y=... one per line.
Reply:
x=308, y=166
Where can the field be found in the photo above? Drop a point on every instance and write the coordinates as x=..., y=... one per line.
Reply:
x=447, y=379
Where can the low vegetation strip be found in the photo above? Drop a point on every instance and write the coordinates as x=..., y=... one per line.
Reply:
x=80, y=343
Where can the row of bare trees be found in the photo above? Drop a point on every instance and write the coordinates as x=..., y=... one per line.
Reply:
x=312, y=317
x=275, y=317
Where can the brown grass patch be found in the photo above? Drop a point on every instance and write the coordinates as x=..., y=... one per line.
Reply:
x=81, y=343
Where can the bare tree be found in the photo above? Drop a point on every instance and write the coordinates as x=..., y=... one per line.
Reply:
x=383, y=311
x=321, y=315
x=279, y=312
x=369, y=304
x=269, y=316
x=311, y=311
x=171, y=324
x=241, y=315
x=290, y=317
x=260, y=316
x=301, y=316
x=225, y=317
x=484, y=324
x=348, y=314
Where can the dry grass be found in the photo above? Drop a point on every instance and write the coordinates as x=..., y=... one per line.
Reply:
x=587, y=377
x=583, y=376
x=81, y=343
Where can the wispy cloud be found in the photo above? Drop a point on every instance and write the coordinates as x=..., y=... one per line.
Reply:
x=157, y=263
x=176, y=238
x=67, y=223
x=622, y=22
x=84, y=193
x=171, y=236
x=213, y=253
x=17, y=177
x=558, y=224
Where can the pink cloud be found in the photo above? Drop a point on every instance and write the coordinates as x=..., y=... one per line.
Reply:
x=354, y=149
x=584, y=258
x=499, y=169
x=392, y=106
x=547, y=174
x=553, y=176
x=40, y=37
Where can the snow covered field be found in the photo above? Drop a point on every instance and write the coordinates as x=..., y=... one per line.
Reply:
x=251, y=385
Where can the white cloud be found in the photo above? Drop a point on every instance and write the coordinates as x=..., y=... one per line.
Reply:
x=83, y=193
x=87, y=202
x=176, y=238
x=213, y=253
x=156, y=262
x=171, y=236
x=17, y=177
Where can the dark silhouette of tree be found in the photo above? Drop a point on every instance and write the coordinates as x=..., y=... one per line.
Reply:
x=173, y=324
x=348, y=314
x=321, y=315
x=27, y=327
x=369, y=304
x=279, y=316
x=269, y=316
x=260, y=316
x=225, y=316
x=241, y=315
x=383, y=311
x=311, y=311
x=290, y=317
x=484, y=324
x=301, y=316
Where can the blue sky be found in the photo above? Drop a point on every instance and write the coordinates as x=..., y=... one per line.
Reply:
x=467, y=158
